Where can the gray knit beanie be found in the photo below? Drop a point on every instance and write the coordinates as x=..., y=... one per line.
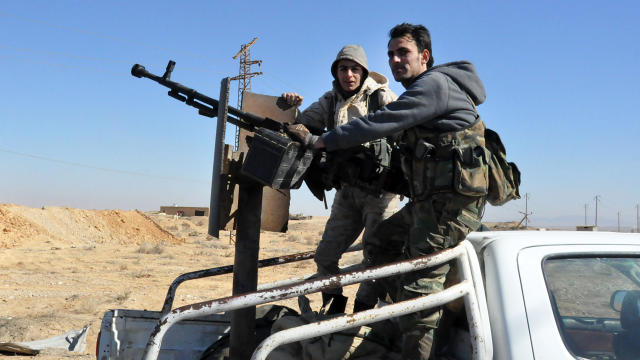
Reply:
x=354, y=53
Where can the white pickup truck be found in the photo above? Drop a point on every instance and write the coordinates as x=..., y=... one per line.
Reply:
x=528, y=295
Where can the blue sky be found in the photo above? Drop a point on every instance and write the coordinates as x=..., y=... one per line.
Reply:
x=77, y=130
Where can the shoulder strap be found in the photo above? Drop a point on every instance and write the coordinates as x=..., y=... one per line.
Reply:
x=331, y=121
x=373, y=101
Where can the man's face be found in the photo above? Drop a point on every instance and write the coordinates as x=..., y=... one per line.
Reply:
x=349, y=75
x=405, y=61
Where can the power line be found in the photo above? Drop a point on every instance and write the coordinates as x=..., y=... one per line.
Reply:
x=135, y=42
x=96, y=58
x=118, y=171
x=67, y=66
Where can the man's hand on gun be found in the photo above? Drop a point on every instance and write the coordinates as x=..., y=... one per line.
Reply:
x=301, y=134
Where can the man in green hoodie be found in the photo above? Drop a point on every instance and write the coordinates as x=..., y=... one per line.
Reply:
x=445, y=164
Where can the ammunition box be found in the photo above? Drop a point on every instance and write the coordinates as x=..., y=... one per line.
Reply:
x=275, y=160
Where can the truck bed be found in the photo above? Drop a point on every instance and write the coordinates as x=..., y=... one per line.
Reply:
x=124, y=334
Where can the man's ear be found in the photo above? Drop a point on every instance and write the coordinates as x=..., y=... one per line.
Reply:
x=425, y=56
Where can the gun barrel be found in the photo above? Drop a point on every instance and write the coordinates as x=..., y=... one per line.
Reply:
x=178, y=89
x=139, y=71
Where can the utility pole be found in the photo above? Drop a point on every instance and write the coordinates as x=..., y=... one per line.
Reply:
x=597, y=198
x=585, y=214
x=618, y=221
x=244, y=78
x=526, y=212
x=638, y=218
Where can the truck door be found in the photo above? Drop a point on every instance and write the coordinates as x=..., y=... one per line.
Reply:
x=567, y=291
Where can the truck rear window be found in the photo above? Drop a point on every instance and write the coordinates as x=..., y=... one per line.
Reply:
x=596, y=303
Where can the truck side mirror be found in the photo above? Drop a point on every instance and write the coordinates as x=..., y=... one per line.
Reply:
x=616, y=299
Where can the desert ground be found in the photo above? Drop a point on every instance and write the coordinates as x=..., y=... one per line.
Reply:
x=62, y=268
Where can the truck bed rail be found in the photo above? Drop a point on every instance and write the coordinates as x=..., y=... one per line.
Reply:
x=470, y=288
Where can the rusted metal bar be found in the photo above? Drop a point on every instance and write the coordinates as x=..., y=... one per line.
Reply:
x=245, y=277
x=298, y=280
x=476, y=310
x=227, y=269
x=285, y=292
x=361, y=318
x=218, y=152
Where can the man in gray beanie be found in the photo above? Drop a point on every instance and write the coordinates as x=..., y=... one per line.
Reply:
x=356, y=92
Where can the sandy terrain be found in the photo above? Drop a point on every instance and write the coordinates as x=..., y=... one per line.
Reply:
x=62, y=268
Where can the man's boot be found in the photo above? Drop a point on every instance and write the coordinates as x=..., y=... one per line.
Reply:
x=336, y=303
x=361, y=306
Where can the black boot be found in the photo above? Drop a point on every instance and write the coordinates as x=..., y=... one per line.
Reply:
x=336, y=303
x=361, y=306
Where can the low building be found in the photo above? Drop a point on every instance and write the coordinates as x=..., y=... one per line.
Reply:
x=586, y=228
x=185, y=210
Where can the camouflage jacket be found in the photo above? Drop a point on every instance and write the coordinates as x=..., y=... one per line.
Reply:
x=332, y=110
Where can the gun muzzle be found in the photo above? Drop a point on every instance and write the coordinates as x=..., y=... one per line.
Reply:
x=139, y=71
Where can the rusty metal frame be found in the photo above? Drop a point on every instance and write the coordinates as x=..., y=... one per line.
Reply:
x=464, y=253
x=470, y=288
x=227, y=269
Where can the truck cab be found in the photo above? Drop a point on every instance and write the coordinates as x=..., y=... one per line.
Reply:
x=561, y=294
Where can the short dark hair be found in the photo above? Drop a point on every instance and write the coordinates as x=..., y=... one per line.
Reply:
x=420, y=35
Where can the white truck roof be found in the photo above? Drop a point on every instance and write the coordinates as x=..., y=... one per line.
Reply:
x=520, y=239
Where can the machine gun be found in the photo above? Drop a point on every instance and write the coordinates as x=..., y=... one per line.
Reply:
x=284, y=162
x=292, y=162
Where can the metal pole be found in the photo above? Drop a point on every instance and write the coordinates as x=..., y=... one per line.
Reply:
x=618, y=221
x=597, y=198
x=585, y=214
x=526, y=210
x=638, y=218
x=218, y=152
x=245, y=274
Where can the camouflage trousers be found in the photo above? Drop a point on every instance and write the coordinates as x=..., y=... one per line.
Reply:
x=352, y=211
x=422, y=227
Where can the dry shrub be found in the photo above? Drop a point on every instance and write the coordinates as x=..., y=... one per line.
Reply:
x=87, y=306
x=294, y=238
x=122, y=267
x=300, y=264
x=146, y=248
x=203, y=253
x=122, y=297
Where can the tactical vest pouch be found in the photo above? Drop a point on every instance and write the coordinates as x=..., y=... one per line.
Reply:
x=471, y=171
x=275, y=160
x=504, y=176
